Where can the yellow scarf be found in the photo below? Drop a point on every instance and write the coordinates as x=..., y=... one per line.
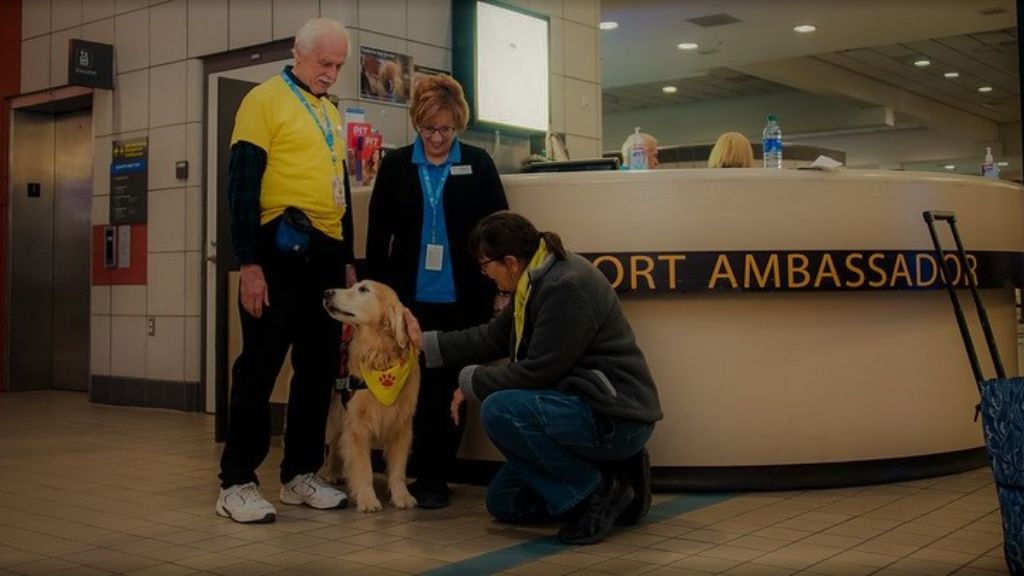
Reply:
x=523, y=291
x=386, y=385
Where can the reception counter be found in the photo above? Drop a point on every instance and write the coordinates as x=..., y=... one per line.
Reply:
x=792, y=319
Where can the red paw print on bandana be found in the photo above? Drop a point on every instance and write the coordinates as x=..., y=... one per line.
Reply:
x=387, y=380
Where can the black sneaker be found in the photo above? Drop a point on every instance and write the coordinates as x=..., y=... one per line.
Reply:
x=430, y=497
x=599, y=513
x=636, y=470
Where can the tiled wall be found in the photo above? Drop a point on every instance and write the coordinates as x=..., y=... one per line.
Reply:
x=158, y=94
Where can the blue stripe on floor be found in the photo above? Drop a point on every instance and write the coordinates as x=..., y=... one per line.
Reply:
x=533, y=550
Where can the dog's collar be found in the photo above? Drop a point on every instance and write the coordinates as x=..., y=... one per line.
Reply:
x=387, y=384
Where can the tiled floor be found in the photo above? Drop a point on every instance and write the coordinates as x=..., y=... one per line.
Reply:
x=90, y=489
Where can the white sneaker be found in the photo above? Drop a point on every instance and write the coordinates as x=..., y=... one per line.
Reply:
x=313, y=491
x=245, y=503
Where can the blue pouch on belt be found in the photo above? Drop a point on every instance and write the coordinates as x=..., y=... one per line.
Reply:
x=293, y=231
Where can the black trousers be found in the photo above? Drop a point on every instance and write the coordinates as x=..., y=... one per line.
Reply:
x=436, y=438
x=295, y=318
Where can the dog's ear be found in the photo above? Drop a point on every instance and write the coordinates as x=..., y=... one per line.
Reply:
x=397, y=321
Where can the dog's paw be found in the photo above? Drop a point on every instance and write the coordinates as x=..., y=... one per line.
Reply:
x=369, y=504
x=403, y=501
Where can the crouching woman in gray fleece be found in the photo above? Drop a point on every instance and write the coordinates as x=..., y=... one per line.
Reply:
x=575, y=405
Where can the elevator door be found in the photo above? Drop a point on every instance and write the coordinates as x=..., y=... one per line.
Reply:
x=51, y=213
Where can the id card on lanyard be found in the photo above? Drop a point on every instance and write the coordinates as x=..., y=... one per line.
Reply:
x=324, y=124
x=435, y=251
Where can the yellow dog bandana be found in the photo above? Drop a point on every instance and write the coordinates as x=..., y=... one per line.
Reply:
x=386, y=385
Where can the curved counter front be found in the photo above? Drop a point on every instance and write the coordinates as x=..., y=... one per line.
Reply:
x=792, y=318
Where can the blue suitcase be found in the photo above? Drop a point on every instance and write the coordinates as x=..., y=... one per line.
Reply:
x=1001, y=407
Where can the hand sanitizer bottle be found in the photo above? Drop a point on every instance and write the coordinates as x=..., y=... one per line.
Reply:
x=637, y=152
x=989, y=169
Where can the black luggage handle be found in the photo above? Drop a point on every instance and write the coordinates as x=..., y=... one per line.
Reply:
x=930, y=216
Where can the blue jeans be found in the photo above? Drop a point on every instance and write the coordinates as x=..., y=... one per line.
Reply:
x=553, y=444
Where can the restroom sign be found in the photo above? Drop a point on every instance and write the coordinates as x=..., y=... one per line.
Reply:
x=90, y=64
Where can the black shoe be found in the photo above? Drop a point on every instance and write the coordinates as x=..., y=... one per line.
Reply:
x=429, y=496
x=599, y=513
x=636, y=470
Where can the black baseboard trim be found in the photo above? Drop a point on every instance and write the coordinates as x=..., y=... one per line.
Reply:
x=145, y=393
x=780, y=477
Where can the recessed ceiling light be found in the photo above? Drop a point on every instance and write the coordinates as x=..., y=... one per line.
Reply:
x=950, y=166
x=688, y=46
x=669, y=89
x=922, y=63
x=608, y=25
x=985, y=89
x=952, y=74
x=805, y=28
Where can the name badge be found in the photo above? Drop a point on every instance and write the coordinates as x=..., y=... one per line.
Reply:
x=435, y=257
x=462, y=170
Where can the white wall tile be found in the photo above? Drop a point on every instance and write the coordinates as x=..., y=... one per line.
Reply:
x=250, y=22
x=59, y=49
x=102, y=112
x=193, y=283
x=193, y=349
x=194, y=80
x=347, y=84
x=168, y=41
x=122, y=6
x=128, y=300
x=583, y=11
x=430, y=22
x=548, y=7
x=556, y=46
x=131, y=41
x=431, y=56
x=128, y=346
x=579, y=147
x=290, y=16
x=165, y=289
x=131, y=101
x=580, y=52
x=99, y=345
x=166, y=223
x=392, y=121
x=166, y=146
x=344, y=11
x=35, y=19
x=384, y=17
x=556, y=88
x=207, y=27
x=35, y=64
x=100, y=210
x=99, y=297
x=97, y=9
x=65, y=14
x=101, y=154
x=194, y=153
x=99, y=31
x=582, y=106
x=168, y=87
x=194, y=218
x=165, y=349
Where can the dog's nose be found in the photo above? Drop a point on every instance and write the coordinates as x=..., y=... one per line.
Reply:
x=328, y=293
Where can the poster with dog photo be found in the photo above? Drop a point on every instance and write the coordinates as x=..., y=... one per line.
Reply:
x=385, y=75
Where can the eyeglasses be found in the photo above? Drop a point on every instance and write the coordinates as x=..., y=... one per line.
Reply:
x=483, y=265
x=444, y=131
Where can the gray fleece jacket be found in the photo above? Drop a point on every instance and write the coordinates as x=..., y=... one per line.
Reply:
x=575, y=339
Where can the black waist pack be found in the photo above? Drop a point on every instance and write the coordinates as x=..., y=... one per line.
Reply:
x=293, y=231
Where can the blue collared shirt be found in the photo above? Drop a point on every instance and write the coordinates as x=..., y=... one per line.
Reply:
x=434, y=285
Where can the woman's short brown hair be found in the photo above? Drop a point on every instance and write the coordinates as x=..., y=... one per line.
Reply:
x=432, y=94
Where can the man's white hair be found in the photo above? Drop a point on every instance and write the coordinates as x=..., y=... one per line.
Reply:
x=306, y=37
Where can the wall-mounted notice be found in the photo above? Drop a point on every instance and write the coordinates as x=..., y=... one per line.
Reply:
x=385, y=75
x=129, y=181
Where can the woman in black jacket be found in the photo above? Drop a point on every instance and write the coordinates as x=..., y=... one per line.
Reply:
x=426, y=199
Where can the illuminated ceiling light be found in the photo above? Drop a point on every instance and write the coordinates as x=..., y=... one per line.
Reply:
x=805, y=28
x=950, y=166
x=1002, y=164
x=985, y=89
x=922, y=63
x=669, y=89
x=608, y=25
x=688, y=46
x=952, y=74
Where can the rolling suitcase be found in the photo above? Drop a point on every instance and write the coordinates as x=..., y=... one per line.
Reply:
x=1001, y=407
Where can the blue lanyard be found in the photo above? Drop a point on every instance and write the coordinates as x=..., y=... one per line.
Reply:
x=325, y=130
x=432, y=197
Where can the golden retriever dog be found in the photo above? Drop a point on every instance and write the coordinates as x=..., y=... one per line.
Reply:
x=379, y=342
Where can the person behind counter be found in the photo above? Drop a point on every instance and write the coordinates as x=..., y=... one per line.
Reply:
x=426, y=199
x=650, y=144
x=732, y=150
x=574, y=407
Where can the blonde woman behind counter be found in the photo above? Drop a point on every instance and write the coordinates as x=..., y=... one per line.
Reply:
x=732, y=150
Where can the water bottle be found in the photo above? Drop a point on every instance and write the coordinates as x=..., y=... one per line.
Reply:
x=637, y=152
x=771, y=141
